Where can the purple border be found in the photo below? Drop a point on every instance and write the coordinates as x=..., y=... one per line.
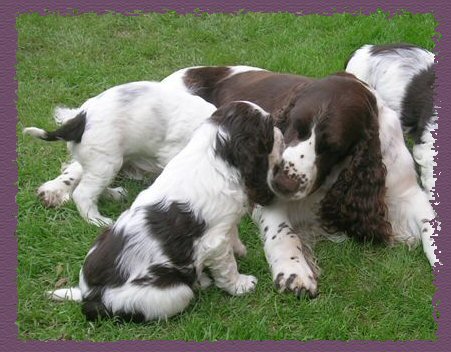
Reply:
x=8, y=171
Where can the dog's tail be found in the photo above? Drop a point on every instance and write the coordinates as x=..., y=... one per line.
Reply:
x=65, y=294
x=71, y=130
x=63, y=114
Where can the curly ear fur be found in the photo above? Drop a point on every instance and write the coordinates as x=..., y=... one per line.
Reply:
x=355, y=204
x=247, y=147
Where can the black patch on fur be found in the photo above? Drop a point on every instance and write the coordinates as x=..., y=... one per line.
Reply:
x=290, y=280
x=176, y=227
x=250, y=139
x=202, y=81
x=66, y=182
x=383, y=49
x=100, y=271
x=164, y=276
x=277, y=280
x=100, y=267
x=418, y=103
x=72, y=130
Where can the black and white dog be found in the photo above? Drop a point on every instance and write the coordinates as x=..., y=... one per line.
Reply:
x=403, y=75
x=137, y=127
x=145, y=266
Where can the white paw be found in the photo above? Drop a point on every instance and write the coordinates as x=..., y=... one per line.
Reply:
x=53, y=193
x=244, y=284
x=100, y=221
x=295, y=275
x=117, y=193
x=204, y=281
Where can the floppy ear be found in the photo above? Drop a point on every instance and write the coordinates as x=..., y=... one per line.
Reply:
x=247, y=147
x=355, y=204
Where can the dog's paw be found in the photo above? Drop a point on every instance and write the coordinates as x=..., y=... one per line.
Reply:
x=100, y=221
x=116, y=194
x=244, y=284
x=297, y=277
x=204, y=281
x=53, y=193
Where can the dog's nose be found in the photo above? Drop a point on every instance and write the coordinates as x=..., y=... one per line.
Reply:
x=283, y=182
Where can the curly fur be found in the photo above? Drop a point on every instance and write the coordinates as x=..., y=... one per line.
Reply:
x=355, y=204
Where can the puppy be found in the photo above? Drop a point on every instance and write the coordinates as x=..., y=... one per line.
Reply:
x=146, y=265
x=137, y=127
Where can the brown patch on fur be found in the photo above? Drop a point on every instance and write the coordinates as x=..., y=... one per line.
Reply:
x=202, y=81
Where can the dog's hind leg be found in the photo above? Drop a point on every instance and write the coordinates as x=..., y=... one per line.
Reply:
x=58, y=191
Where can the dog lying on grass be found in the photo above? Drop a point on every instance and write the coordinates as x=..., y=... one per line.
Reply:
x=145, y=266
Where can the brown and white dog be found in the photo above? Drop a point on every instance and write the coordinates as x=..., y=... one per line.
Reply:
x=345, y=167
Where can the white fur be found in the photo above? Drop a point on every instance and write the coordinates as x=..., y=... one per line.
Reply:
x=137, y=126
x=215, y=193
x=299, y=163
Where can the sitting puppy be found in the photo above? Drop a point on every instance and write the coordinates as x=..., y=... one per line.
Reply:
x=145, y=266
x=138, y=127
x=403, y=75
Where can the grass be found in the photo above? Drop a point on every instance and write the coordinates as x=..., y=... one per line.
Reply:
x=366, y=292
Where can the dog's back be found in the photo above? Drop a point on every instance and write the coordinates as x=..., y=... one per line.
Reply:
x=403, y=75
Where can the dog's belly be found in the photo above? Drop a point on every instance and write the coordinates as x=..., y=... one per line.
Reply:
x=138, y=167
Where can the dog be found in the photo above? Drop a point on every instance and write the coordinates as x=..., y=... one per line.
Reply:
x=137, y=127
x=146, y=265
x=345, y=168
x=403, y=75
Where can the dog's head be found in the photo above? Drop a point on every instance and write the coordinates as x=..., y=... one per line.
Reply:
x=330, y=124
x=248, y=141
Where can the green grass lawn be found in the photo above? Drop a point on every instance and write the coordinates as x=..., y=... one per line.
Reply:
x=366, y=292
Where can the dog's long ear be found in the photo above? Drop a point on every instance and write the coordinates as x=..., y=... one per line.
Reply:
x=245, y=141
x=356, y=202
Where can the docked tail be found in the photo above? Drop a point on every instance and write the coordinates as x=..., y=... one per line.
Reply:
x=63, y=114
x=71, y=130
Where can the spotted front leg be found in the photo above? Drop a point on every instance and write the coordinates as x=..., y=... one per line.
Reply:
x=292, y=265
